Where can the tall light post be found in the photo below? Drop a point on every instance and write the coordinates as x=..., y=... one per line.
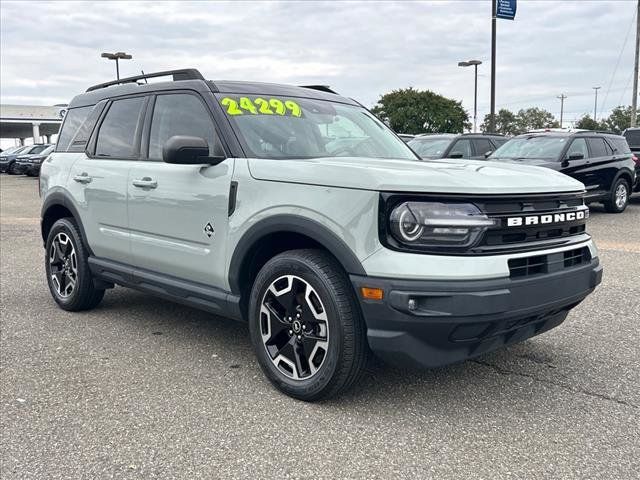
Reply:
x=475, y=64
x=595, y=105
x=562, y=99
x=117, y=56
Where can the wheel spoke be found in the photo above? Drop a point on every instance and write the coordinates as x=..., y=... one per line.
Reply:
x=294, y=327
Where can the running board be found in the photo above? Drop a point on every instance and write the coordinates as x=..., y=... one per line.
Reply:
x=197, y=295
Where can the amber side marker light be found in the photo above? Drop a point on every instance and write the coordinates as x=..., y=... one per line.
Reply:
x=372, y=293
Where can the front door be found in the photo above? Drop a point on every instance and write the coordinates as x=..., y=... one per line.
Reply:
x=178, y=214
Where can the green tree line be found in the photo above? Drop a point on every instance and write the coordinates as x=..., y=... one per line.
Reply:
x=422, y=111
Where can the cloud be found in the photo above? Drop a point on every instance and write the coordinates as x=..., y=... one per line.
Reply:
x=362, y=49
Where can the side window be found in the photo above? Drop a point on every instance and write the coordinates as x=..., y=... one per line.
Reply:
x=598, y=147
x=461, y=147
x=482, y=146
x=579, y=145
x=619, y=145
x=498, y=142
x=73, y=120
x=181, y=114
x=117, y=134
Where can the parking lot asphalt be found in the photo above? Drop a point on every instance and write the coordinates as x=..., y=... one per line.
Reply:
x=143, y=388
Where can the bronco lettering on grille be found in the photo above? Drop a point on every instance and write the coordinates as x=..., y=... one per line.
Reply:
x=548, y=218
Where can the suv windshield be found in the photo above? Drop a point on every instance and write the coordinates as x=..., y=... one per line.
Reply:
x=288, y=128
x=531, y=147
x=432, y=147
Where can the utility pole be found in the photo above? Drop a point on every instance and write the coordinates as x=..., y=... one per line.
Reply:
x=595, y=105
x=474, y=63
x=492, y=121
x=634, y=100
x=562, y=97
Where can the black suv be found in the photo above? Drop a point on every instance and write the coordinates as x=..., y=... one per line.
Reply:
x=632, y=135
x=602, y=161
x=451, y=145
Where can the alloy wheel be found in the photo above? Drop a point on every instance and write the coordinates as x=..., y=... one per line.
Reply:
x=63, y=265
x=294, y=327
x=621, y=195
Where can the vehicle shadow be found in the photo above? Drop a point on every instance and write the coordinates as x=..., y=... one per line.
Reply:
x=437, y=389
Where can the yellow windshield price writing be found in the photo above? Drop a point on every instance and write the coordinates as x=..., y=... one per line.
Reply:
x=260, y=106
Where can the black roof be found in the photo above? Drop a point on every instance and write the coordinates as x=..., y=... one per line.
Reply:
x=190, y=79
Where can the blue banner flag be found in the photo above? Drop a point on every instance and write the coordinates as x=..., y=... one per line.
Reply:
x=506, y=9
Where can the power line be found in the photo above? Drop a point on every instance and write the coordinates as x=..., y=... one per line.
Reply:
x=615, y=70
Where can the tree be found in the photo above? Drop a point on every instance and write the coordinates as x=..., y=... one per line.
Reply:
x=589, y=123
x=535, y=118
x=506, y=123
x=525, y=120
x=619, y=119
x=414, y=111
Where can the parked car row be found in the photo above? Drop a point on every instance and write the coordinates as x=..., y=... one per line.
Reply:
x=25, y=159
x=602, y=161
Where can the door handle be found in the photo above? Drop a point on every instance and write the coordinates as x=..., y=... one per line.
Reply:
x=83, y=178
x=145, y=182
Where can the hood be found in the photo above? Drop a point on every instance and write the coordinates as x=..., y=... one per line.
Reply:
x=432, y=176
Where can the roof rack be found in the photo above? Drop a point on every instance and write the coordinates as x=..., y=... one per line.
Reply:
x=321, y=88
x=484, y=133
x=178, y=75
x=607, y=132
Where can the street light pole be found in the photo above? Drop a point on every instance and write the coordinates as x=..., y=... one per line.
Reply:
x=475, y=64
x=492, y=121
x=595, y=105
x=634, y=100
x=117, y=56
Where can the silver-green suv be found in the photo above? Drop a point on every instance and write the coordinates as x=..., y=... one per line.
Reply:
x=296, y=210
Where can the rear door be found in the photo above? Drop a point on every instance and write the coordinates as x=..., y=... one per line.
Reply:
x=99, y=179
x=603, y=167
x=178, y=214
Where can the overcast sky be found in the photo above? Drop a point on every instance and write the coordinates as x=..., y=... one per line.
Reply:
x=50, y=51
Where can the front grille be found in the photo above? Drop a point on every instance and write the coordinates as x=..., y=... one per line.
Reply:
x=550, y=211
x=552, y=262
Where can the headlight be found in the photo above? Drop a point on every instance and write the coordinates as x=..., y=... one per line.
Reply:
x=425, y=225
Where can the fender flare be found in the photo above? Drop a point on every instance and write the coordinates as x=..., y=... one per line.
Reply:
x=296, y=224
x=62, y=199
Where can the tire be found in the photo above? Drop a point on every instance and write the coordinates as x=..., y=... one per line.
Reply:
x=313, y=284
x=68, y=274
x=618, y=197
x=11, y=168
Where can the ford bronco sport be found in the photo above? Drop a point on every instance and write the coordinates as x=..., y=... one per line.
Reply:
x=296, y=210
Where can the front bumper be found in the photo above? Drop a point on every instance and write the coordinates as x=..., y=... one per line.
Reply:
x=451, y=321
x=27, y=168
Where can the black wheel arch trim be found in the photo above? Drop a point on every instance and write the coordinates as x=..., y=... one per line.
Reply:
x=295, y=224
x=62, y=199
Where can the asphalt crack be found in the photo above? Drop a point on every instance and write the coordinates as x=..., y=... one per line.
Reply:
x=505, y=371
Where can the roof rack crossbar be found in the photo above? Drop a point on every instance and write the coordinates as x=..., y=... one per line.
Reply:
x=178, y=75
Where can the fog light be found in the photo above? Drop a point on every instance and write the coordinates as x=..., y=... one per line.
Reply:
x=412, y=304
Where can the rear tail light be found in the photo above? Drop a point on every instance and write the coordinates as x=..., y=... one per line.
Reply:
x=636, y=159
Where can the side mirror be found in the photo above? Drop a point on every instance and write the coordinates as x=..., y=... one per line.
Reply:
x=575, y=156
x=456, y=155
x=185, y=150
x=487, y=154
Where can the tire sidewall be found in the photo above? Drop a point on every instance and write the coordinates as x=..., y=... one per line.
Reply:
x=67, y=227
x=288, y=265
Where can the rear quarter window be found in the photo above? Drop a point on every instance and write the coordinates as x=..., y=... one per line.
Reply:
x=620, y=145
x=73, y=120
